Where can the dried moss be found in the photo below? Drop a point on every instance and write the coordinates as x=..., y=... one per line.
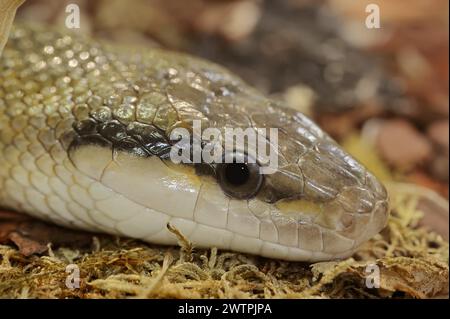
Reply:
x=413, y=262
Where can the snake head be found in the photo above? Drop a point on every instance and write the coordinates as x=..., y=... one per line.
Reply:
x=320, y=203
x=317, y=203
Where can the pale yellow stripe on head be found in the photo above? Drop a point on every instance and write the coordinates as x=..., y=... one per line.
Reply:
x=299, y=208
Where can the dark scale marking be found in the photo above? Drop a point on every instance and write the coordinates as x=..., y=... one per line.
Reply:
x=150, y=138
x=113, y=130
x=86, y=127
x=136, y=138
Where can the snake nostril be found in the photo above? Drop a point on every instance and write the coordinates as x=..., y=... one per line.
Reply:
x=347, y=220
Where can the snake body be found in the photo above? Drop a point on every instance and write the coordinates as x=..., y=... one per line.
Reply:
x=84, y=143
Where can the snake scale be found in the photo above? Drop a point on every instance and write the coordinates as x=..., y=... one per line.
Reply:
x=84, y=143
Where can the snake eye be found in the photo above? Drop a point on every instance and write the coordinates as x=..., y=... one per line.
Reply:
x=239, y=179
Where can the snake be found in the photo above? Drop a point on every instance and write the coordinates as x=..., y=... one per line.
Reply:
x=85, y=142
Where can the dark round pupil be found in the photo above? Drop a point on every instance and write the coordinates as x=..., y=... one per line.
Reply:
x=237, y=173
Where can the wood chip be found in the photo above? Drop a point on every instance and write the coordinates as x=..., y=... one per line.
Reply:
x=31, y=236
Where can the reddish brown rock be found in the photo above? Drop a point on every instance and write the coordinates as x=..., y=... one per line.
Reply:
x=438, y=132
x=422, y=178
x=402, y=145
